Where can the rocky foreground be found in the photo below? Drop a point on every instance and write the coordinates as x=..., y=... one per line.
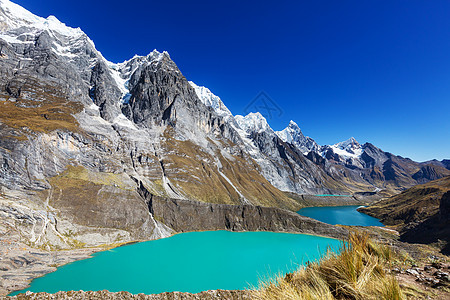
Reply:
x=81, y=295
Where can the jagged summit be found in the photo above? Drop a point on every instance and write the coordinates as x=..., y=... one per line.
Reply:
x=293, y=134
x=14, y=18
x=122, y=72
x=290, y=133
x=347, y=149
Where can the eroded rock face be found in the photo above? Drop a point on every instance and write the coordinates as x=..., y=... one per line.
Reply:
x=154, y=88
x=104, y=91
x=185, y=215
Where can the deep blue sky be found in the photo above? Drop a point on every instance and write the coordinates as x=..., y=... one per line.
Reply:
x=375, y=70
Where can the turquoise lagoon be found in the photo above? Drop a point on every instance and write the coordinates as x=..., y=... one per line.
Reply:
x=342, y=215
x=188, y=262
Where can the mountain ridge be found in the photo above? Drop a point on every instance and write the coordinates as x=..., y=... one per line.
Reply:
x=420, y=214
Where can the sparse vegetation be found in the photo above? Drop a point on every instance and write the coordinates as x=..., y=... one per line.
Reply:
x=358, y=271
x=194, y=172
x=38, y=108
x=412, y=205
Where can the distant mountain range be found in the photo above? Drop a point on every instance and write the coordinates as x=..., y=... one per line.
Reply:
x=81, y=135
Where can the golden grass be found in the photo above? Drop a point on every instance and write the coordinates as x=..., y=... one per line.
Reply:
x=74, y=173
x=357, y=272
x=39, y=108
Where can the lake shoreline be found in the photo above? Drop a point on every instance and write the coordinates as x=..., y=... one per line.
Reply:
x=17, y=276
x=307, y=200
x=340, y=215
x=238, y=218
x=189, y=262
x=46, y=260
x=419, y=257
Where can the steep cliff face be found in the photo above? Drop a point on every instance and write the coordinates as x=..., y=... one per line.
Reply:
x=186, y=215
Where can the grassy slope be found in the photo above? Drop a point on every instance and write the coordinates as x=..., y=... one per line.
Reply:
x=413, y=205
x=420, y=213
x=39, y=108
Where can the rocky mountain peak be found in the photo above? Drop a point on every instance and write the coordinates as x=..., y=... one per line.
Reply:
x=293, y=134
x=154, y=86
x=293, y=125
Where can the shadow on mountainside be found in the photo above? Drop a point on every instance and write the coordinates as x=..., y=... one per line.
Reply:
x=435, y=229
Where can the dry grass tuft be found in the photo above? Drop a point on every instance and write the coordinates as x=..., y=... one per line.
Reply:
x=356, y=272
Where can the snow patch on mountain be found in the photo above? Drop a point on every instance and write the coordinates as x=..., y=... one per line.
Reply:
x=253, y=122
x=290, y=133
x=348, y=148
x=13, y=16
x=209, y=99
x=19, y=26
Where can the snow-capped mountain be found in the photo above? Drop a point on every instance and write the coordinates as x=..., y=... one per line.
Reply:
x=21, y=28
x=348, y=149
x=253, y=123
x=13, y=16
x=350, y=146
x=292, y=134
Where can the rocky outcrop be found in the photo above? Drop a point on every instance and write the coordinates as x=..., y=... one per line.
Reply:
x=314, y=200
x=82, y=295
x=104, y=91
x=185, y=215
x=426, y=173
